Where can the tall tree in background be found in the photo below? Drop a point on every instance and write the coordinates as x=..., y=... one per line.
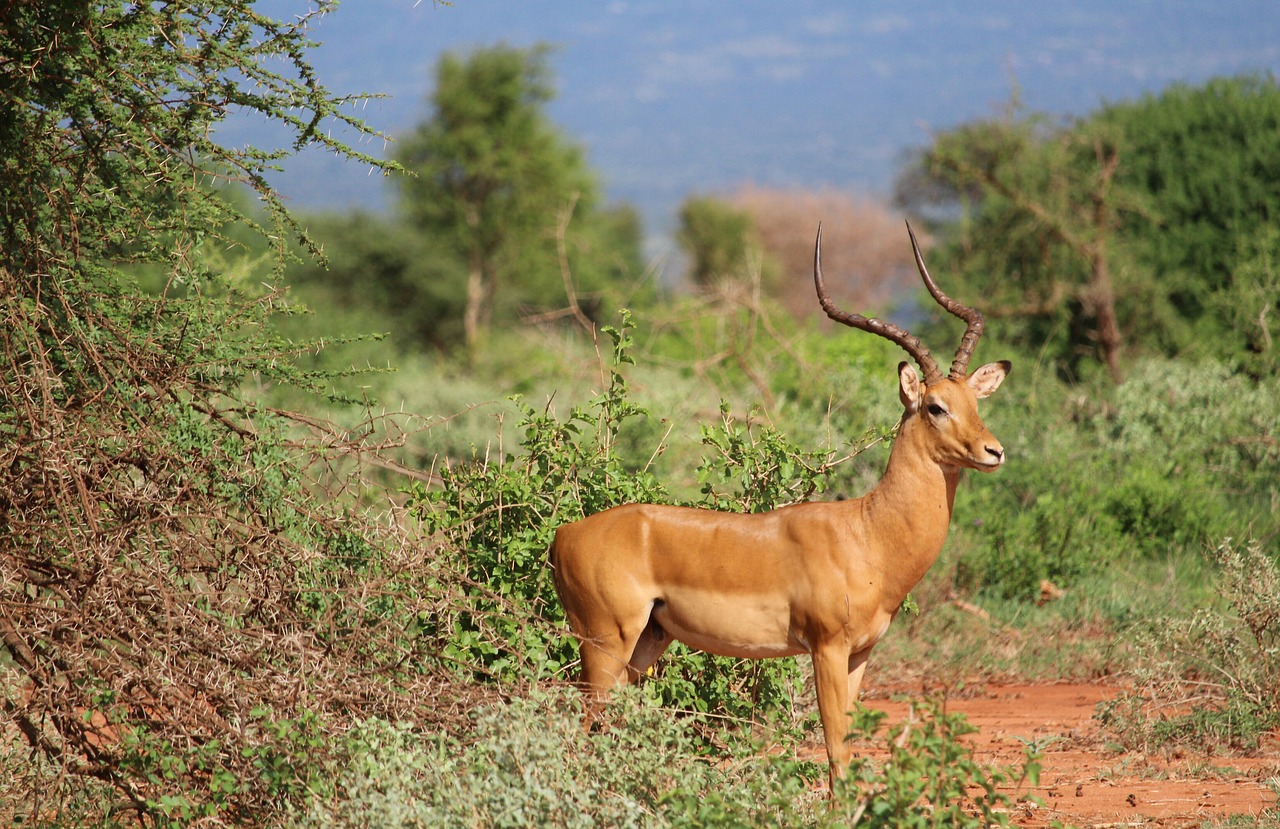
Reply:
x=717, y=238
x=499, y=188
x=392, y=279
x=1039, y=232
x=1142, y=226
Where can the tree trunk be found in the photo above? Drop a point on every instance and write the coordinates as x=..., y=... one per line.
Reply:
x=1102, y=297
x=475, y=302
x=1101, y=290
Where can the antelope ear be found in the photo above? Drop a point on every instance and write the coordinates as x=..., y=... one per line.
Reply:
x=987, y=379
x=910, y=389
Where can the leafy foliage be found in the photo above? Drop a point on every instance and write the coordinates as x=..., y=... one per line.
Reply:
x=1201, y=155
x=508, y=202
x=1039, y=241
x=756, y=471
x=498, y=517
x=930, y=777
x=93, y=155
x=396, y=281
x=1247, y=304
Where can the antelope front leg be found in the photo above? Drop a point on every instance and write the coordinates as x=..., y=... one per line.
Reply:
x=833, y=679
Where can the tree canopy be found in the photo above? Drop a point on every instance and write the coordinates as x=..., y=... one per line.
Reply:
x=501, y=192
x=1121, y=231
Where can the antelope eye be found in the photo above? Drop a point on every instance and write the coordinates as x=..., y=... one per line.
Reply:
x=936, y=410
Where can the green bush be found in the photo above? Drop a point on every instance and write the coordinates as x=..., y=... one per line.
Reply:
x=496, y=517
x=1180, y=454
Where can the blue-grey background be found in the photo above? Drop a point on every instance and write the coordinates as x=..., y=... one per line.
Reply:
x=701, y=96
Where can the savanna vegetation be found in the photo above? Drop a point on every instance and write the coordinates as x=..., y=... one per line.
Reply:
x=276, y=490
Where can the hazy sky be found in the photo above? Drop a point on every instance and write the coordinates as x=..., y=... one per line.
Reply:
x=675, y=98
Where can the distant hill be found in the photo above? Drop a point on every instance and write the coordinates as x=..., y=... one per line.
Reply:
x=702, y=96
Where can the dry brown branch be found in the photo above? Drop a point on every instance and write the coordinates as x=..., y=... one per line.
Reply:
x=181, y=573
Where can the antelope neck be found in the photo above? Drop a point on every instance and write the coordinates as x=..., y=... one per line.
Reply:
x=911, y=507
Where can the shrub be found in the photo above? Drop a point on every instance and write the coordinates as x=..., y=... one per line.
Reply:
x=529, y=763
x=1214, y=677
x=1177, y=456
x=496, y=517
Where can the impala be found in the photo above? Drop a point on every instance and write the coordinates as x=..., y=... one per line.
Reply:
x=819, y=578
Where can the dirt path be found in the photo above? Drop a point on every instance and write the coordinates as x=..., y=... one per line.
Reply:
x=1084, y=784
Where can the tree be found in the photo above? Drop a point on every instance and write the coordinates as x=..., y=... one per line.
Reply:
x=384, y=270
x=172, y=601
x=1121, y=230
x=1040, y=235
x=717, y=237
x=497, y=187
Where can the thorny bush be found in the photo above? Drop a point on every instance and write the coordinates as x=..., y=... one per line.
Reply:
x=183, y=612
x=186, y=618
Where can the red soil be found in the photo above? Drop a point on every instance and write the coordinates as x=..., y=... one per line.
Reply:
x=1083, y=782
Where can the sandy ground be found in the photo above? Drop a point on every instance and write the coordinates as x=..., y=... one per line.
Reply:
x=1083, y=782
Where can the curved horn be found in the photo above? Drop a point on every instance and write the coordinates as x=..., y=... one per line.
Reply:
x=888, y=330
x=971, y=316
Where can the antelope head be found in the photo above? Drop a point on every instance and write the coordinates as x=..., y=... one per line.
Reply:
x=947, y=407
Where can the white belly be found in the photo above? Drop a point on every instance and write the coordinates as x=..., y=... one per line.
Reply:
x=752, y=627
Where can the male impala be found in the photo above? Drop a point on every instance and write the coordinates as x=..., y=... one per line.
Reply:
x=818, y=578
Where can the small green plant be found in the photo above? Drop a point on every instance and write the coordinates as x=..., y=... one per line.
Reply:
x=930, y=778
x=756, y=470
